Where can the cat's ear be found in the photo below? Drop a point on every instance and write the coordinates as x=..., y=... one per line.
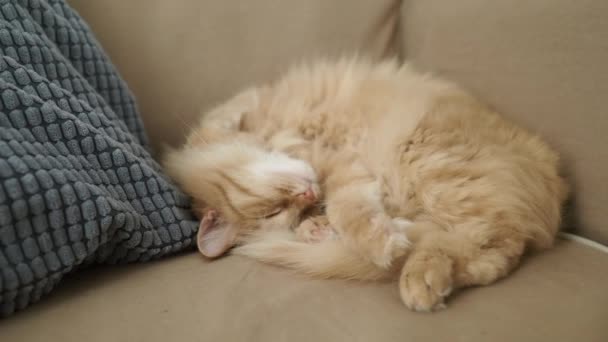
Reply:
x=214, y=236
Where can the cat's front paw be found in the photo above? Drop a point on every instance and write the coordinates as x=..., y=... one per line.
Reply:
x=426, y=280
x=389, y=240
x=315, y=229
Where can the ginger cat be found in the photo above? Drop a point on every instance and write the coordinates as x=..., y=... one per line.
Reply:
x=363, y=170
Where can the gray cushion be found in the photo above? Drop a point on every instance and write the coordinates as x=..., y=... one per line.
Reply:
x=77, y=183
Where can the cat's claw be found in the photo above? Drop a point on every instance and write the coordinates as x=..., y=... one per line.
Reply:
x=402, y=224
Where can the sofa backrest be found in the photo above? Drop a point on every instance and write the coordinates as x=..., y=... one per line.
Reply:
x=181, y=57
x=542, y=63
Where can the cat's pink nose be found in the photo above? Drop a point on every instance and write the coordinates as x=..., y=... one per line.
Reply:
x=310, y=194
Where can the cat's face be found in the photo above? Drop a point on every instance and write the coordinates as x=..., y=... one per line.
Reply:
x=276, y=189
x=244, y=188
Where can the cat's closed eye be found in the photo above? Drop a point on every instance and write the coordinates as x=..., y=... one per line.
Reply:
x=274, y=213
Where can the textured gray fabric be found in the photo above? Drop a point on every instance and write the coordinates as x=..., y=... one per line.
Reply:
x=77, y=184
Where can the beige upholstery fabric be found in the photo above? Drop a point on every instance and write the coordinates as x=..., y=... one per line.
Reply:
x=543, y=63
x=557, y=296
x=531, y=59
x=181, y=56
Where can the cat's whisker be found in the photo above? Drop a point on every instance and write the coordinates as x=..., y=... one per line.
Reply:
x=189, y=128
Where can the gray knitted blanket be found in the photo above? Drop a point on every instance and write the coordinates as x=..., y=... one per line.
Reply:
x=77, y=183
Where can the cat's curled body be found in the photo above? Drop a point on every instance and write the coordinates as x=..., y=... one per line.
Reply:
x=417, y=179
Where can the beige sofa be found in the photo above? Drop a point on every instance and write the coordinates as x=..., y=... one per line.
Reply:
x=543, y=63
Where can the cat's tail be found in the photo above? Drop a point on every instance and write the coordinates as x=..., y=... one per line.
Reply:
x=325, y=259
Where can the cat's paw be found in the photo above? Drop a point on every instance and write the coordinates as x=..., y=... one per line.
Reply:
x=426, y=280
x=315, y=229
x=389, y=240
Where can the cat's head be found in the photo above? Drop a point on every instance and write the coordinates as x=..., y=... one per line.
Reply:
x=238, y=188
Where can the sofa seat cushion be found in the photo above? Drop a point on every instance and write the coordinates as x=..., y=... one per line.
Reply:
x=559, y=295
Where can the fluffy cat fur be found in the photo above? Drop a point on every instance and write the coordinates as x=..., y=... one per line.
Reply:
x=363, y=170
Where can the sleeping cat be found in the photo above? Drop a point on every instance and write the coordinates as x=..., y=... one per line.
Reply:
x=362, y=170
